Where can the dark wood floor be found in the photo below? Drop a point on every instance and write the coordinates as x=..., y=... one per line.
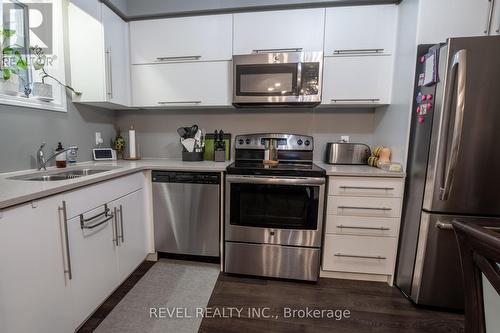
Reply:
x=374, y=307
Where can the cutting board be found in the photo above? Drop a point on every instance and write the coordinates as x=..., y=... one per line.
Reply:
x=209, y=146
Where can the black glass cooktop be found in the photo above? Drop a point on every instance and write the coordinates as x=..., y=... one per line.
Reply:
x=281, y=169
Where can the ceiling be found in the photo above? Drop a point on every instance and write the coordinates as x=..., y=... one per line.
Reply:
x=145, y=9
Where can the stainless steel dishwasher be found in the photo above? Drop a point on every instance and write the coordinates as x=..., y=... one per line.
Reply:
x=186, y=209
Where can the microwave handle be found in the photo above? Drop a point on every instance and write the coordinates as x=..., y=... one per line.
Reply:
x=297, y=49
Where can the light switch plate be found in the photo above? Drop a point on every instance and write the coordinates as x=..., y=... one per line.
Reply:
x=98, y=138
x=344, y=138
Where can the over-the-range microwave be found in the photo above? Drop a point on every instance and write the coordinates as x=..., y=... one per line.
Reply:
x=277, y=79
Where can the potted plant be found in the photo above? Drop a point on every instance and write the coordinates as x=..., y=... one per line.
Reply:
x=119, y=144
x=42, y=90
x=13, y=64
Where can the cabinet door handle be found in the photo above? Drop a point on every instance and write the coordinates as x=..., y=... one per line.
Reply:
x=67, y=254
x=115, y=228
x=370, y=100
x=367, y=188
x=178, y=58
x=362, y=257
x=109, y=74
x=293, y=49
x=179, y=102
x=366, y=208
x=364, y=228
x=121, y=224
x=489, y=18
x=358, y=51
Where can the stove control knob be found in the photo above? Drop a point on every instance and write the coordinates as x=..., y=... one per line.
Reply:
x=300, y=142
x=240, y=141
x=247, y=141
x=307, y=142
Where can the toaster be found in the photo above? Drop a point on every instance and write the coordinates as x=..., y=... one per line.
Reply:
x=347, y=153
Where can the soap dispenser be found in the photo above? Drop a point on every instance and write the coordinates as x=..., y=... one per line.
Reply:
x=61, y=156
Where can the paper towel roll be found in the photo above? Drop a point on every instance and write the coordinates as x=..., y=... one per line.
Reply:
x=131, y=142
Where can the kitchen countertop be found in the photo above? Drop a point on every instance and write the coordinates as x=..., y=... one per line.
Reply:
x=15, y=192
x=357, y=171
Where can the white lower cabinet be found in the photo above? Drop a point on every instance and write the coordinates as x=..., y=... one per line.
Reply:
x=362, y=227
x=184, y=84
x=93, y=262
x=35, y=293
x=57, y=266
x=131, y=231
x=360, y=254
x=357, y=80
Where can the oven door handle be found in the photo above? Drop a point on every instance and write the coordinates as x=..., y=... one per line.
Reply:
x=276, y=180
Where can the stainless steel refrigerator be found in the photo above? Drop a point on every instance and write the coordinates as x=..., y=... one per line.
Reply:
x=453, y=169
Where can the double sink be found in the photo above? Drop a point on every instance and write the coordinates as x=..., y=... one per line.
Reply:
x=72, y=173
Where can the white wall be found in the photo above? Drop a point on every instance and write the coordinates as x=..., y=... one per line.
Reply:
x=391, y=123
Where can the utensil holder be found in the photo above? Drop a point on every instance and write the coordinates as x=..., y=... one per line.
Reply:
x=195, y=156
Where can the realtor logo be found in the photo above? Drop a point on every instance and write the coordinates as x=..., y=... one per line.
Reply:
x=36, y=17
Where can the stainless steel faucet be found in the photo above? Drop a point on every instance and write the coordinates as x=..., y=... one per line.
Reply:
x=41, y=162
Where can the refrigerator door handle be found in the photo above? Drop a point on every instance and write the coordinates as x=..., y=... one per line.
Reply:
x=444, y=226
x=458, y=72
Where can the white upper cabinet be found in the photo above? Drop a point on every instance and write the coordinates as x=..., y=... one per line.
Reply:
x=197, y=38
x=99, y=54
x=182, y=84
x=360, y=29
x=357, y=80
x=116, y=43
x=441, y=19
x=276, y=30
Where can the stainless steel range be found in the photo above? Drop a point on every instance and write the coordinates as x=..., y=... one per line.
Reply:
x=274, y=212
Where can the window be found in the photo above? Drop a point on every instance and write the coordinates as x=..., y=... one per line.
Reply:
x=32, y=54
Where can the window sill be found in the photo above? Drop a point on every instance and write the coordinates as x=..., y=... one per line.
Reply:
x=33, y=103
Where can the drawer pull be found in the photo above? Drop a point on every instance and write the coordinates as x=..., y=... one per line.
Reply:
x=366, y=188
x=294, y=49
x=361, y=257
x=192, y=57
x=358, y=51
x=371, y=100
x=179, y=102
x=366, y=208
x=364, y=228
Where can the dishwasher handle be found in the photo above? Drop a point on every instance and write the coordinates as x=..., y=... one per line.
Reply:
x=186, y=177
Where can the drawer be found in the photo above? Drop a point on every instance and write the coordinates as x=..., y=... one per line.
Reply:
x=87, y=198
x=364, y=206
x=359, y=254
x=362, y=225
x=369, y=187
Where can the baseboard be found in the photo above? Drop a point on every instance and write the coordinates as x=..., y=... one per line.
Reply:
x=356, y=276
x=152, y=256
